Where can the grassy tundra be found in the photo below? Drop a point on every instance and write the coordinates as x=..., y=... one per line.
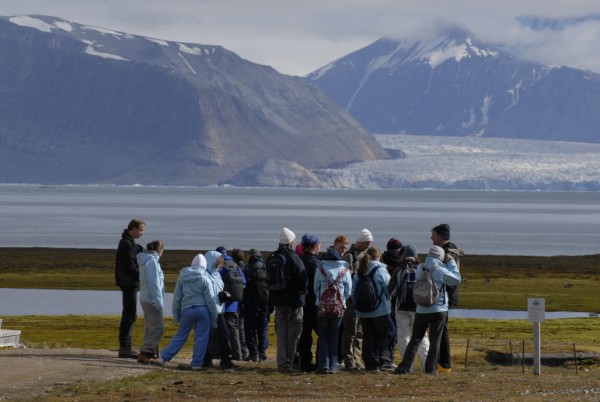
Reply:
x=490, y=282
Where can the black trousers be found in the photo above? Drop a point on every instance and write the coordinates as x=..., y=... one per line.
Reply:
x=128, y=317
x=309, y=324
x=445, y=359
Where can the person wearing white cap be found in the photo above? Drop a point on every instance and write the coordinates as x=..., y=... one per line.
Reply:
x=352, y=330
x=287, y=290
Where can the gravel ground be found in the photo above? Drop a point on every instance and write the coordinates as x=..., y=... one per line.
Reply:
x=26, y=373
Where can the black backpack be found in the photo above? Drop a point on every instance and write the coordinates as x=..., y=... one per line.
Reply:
x=258, y=287
x=233, y=282
x=404, y=288
x=276, y=272
x=366, y=298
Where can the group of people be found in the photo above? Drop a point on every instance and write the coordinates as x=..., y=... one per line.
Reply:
x=356, y=299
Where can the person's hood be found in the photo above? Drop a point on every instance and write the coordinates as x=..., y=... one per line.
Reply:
x=190, y=274
x=332, y=255
x=430, y=261
x=211, y=258
x=199, y=262
x=146, y=256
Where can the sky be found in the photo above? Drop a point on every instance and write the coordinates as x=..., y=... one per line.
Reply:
x=298, y=37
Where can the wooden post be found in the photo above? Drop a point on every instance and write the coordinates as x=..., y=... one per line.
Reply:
x=467, y=353
x=575, y=357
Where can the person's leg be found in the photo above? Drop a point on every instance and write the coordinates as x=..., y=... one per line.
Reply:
x=154, y=328
x=186, y=323
x=391, y=336
x=263, y=332
x=296, y=316
x=232, y=321
x=284, y=362
x=224, y=348
x=350, y=323
x=436, y=328
x=368, y=346
x=381, y=340
x=418, y=332
x=128, y=317
x=242, y=331
x=332, y=339
x=445, y=357
x=202, y=327
x=305, y=342
x=250, y=327
x=357, y=343
x=323, y=352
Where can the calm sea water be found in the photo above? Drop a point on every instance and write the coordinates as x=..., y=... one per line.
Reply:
x=512, y=223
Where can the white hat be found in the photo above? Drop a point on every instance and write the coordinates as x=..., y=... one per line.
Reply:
x=286, y=236
x=437, y=252
x=365, y=235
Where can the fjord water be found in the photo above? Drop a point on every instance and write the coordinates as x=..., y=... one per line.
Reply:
x=192, y=218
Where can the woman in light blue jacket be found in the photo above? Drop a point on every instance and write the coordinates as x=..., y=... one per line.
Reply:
x=152, y=291
x=443, y=272
x=333, y=267
x=375, y=351
x=194, y=306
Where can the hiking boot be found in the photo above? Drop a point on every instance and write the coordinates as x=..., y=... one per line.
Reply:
x=323, y=371
x=387, y=367
x=128, y=353
x=228, y=365
x=252, y=357
x=196, y=368
x=146, y=358
x=442, y=369
x=159, y=362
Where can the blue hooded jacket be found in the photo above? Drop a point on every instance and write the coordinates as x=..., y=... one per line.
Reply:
x=152, y=279
x=194, y=288
x=382, y=279
x=333, y=265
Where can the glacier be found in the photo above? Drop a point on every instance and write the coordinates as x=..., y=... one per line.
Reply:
x=473, y=163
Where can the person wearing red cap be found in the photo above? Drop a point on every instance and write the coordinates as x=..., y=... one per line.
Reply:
x=440, y=236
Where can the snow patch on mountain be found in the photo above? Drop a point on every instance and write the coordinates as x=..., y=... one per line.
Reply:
x=474, y=163
x=31, y=22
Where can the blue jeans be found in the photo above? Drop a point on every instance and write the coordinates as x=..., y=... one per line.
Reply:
x=327, y=345
x=198, y=318
x=256, y=326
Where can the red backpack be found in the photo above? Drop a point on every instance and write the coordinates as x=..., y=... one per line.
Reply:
x=332, y=303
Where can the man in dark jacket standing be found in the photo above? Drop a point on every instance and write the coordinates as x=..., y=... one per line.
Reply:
x=287, y=292
x=440, y=236
x=127, y=277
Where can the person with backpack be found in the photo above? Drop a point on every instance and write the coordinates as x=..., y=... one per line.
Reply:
x=332, y=287
x=287, y=290
x=240, y=259
x=373, y=307
x=194, y=307
x=429, y=292
x=401, y=288
x=233, y=286
x=152, y=293
x=440, y=236
x=352, y=334
x=391, y=257
x=311, y=246
x=256, y=307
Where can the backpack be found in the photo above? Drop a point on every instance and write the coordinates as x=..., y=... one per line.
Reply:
x=404, y=288
x=365, y=293
x=233, y=281
x=331, y=304
x=276, y=272
x=258, y=287
x=425, y=291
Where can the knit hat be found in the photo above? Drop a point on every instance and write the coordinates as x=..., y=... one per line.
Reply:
x=410, y=251
x=443, y=230
x=437, y=252
x=286, y=236
x=394, y=244
x=310, y=240
x=221, y=250
x=365, y=235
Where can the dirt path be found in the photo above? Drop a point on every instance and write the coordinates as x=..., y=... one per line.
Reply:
x=26, y=373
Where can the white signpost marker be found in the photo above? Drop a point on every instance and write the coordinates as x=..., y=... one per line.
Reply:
x=536, y=313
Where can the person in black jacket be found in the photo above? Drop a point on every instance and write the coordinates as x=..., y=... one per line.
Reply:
x=311, y=247
x=440, y=236
x=288, y=299
x=127, y=277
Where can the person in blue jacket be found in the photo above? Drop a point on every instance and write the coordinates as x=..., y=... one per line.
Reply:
x=375, y=351
x=194, y=307
x=444, y=273
x=332, y=266
x=152, y=292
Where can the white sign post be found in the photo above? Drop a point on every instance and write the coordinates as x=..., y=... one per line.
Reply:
x=536, y=313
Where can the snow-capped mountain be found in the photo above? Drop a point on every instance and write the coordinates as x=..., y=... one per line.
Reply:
x=83, y=104
x=456, y=85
